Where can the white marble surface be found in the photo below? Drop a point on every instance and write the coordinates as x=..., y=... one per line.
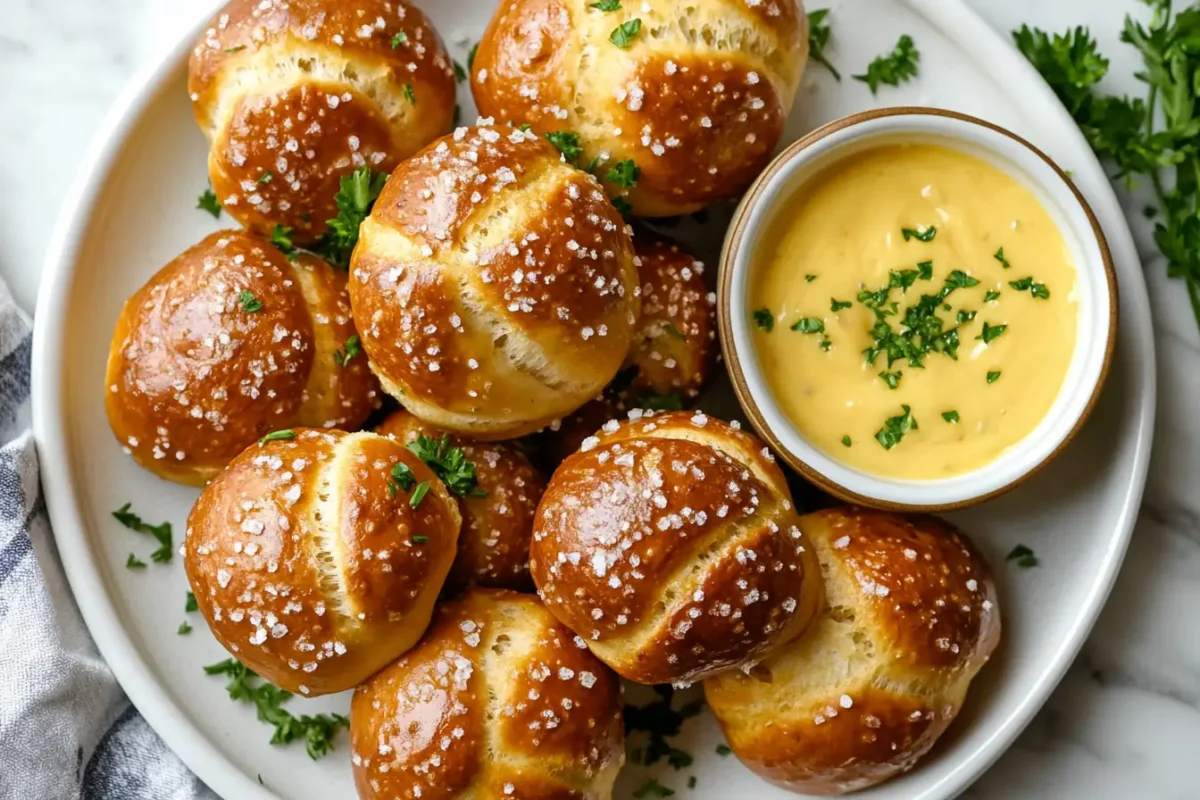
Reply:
x=1125, y=723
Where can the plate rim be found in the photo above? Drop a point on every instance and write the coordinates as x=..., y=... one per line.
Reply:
x=953, y=18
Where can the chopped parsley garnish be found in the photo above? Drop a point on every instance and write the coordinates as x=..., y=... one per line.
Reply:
x=824, y=343
x=190, y=604
x=624, y=173
x=660, y=721
x=990, y=332
x=471, y=56
x=960, y=280
x=250, y=303
x=723, y=750
x=606, y=5
x=846, y=441
x=265, y=177
x=808, y=325
x=161, y=532
x=317, y=731
x=1038, y=290
x=133, y=562
x=281, y=237
x=950, y=416
x=356, y=195
x=902, y=279
x=567, y=144
x=208, y=202
x=418, y=539
x=764, y=319
x=836, y=305
x=818, y=38
x=418, y=494
x=409, y=94
x=999, y=256
x=922, y=235
x=278, y=436
x=673, y=331
x=184, y=628
x=651, y=789
x=895, y=67
x=524, y=126
x=460, y=74
x=652, y=401
x=622, y=206
x=894, y=428
x=622, y=35
x=990, y=295
x=809, y=278
x=1024, y=557
x=399, y=39
x=925, y=270
x=965, y=316
x=348, y=351
x=921, y=332
x=992, y=377
x=236, y=49
x=449, y=463
x=892, y=379
x=401, y=478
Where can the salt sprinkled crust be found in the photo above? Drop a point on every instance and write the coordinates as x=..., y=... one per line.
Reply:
x=308, y=568
x=494, y=285
x=697, y=99
x=911, y=617
x=306, y=91
x=493, y=546
x=670, y=545
x=195, y=374
x=496, y=702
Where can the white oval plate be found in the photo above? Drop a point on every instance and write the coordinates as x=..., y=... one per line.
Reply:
x=132, y=210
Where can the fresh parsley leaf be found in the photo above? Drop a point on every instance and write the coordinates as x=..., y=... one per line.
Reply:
x=1038, y=290
x=965, y=316
x=652, y=789
x=922, y=235
x=846, y=441
x=892, y=379
x=622, y=206
x=925, y=270
x=990, y=332
x=409, y=94
x=236, y=49
x=208, y=202
x=810, y=278
x=950, y=416
x=190, y=605
x=1024, y=556
x=960, y=280
x=818, y=39
x=265, y=177
x=347, y=352
x=652, y=401
x=524, y=126
x=401, y=478
x=161, y=532
x=281, y=237
x=673, y=331
x=357, y=194
x=449, y=463
x=460, y=74
x=894, y=428
x=399, y=39
x=471, y=56
x=133, y=562
x=999, y=256
x=567, y=144
x=606, y=5
x=990, y=295
x=836, y=305
x=764, y=319
x=278, y=436
x=250, y=303
x=184, y=628
x=624, y=173
x=724, y=750
x=622, y=35
x=418, y=494
x=893, y=68
x=808, y=325
x=902, y=279
x=992, y=377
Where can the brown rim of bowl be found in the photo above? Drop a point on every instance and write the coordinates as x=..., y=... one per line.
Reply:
x=724, y=277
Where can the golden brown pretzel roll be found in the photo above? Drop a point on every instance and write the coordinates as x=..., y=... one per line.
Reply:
x=493, y=546
x=295, y=95
x=226, y=343
x=910, y=618
x=313, y=563
x=669, y=543
x=697, y=97
x=494, y=285
x=498, y=701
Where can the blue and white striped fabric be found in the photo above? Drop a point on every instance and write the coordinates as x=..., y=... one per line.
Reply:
x=67, y=730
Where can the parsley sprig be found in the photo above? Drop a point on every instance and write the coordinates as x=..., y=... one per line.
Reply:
x=1157, y=136
x=359, y=190
x=449, y=463
x=893, y=68
x=317, y=731
x=161, y=532
x=818, y=38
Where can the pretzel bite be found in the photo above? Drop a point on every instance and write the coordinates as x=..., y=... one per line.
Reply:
x=910, y=618
x=498, y=701
x=494, y=285
x=316, y=559
x=497, y=491
x=675, y=103
x=294, y=95
x=226, y=343
x=669, y=543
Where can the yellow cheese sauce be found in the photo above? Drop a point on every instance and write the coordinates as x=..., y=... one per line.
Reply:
x=979, y=250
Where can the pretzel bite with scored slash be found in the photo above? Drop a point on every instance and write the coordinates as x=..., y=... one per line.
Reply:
x=316, y=558
x=225, y=344
x=909, y=620
x=670, y=545
x=497, y=491
x=675, y=103
x=498, y=701
x=494, y=285
x=295, y=94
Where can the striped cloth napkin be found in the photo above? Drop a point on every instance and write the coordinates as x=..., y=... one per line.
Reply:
x=67, y=731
